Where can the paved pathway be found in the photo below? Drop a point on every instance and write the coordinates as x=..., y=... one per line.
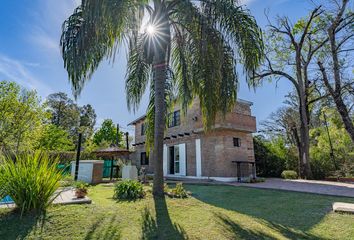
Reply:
x=309, y=186
x=66, y=196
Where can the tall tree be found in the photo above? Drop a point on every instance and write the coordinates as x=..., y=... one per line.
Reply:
x=193, y=45
x=21, y=117
x=338, y=33
x=55, y=138
x=107, y=133
x=65, y=113
x=87, y=121
x=289, y=54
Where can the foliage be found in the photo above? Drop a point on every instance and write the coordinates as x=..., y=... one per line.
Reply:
x=66, y=157
x=107, y=134
x=21, y=117
x=128, y=190
x=177, y=192
x=55, y=138
x=272, y=156
x=66, y=114
x=341, y=162
x=289, y=174
x=253, y=180
x=31, y=180
x=81, y=185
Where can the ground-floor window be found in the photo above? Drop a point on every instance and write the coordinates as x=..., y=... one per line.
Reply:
x=144, y=159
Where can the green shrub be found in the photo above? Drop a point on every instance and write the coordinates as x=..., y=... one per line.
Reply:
x=289, y=174
x=128, y=190
x=81, y=185
x=252, y=180
x=178, y=192
x=31, y=180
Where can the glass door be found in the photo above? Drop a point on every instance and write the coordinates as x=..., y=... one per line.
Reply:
x=176, y=159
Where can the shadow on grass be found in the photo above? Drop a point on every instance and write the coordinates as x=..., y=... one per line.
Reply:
x=104, y=228
x=13, y=226
x=300, y=211
x=233, y=230
x=161, y=227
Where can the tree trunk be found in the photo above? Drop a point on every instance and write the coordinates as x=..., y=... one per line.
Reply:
x=160, y=64
x=337, y=93
x=343, y=111
x=304, y=154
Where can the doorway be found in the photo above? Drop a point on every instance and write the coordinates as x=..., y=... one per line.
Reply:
x=174, y=160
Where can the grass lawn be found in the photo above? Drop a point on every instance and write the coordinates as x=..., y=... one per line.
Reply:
x=214, y=212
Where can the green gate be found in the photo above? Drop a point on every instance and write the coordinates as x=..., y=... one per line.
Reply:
x=107, y=166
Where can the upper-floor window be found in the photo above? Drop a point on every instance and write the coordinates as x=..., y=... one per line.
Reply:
x=237, y=142
x=143, y=129
x=174, y=119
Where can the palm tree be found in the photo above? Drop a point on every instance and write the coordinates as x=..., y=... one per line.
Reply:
x=180, y=49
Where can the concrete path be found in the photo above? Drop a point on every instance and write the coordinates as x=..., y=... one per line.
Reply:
x=66, y=196
x=308, y=186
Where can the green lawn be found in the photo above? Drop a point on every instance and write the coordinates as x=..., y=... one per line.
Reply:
x=214, y=212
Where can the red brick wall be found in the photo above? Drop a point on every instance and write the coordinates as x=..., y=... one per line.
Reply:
x=217, y=147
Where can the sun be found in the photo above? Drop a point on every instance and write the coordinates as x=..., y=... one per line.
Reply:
x=150, y=29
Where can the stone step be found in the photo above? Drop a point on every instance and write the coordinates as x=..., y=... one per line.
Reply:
x=343, y=207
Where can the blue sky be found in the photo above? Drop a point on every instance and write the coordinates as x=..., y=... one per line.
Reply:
x=30, y=55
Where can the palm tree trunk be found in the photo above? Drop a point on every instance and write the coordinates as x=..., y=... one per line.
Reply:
x=160, y=64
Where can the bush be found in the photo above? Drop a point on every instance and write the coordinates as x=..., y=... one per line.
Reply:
x=289, y=174
x=81, y=185
x=30, y=180
x=178, y=192
x=253, y=180
x=128, y=190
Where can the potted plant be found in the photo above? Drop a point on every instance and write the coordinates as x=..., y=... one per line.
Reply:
x=81, y=189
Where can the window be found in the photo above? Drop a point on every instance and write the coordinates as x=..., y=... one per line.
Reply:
x=143, y=129
x=174, y=119
x=237, y=142
x=144, y=159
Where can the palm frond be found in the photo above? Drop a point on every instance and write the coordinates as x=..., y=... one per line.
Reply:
x=138, y=73
x=239, y=27
x=213, y=77
x=93, y=32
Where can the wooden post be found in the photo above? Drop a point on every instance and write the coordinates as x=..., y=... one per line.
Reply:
x=78, y=157
x=117, y=135
x=254, y=170
x=238, y=171
x=127, y=140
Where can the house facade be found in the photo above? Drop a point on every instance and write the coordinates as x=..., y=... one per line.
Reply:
x=224, y=153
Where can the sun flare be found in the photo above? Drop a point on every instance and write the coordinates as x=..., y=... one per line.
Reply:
x=150, y=29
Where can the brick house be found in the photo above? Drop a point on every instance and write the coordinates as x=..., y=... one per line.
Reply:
x=223, y=153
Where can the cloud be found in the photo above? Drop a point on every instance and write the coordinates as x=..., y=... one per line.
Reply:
x=45, y=29
x=14, y=70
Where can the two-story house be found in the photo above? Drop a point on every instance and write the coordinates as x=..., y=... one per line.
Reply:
x=223, y=153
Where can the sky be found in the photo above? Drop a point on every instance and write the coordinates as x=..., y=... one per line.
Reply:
x=30, y=55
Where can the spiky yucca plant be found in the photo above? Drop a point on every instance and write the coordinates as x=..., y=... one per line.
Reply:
x=30, y=180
